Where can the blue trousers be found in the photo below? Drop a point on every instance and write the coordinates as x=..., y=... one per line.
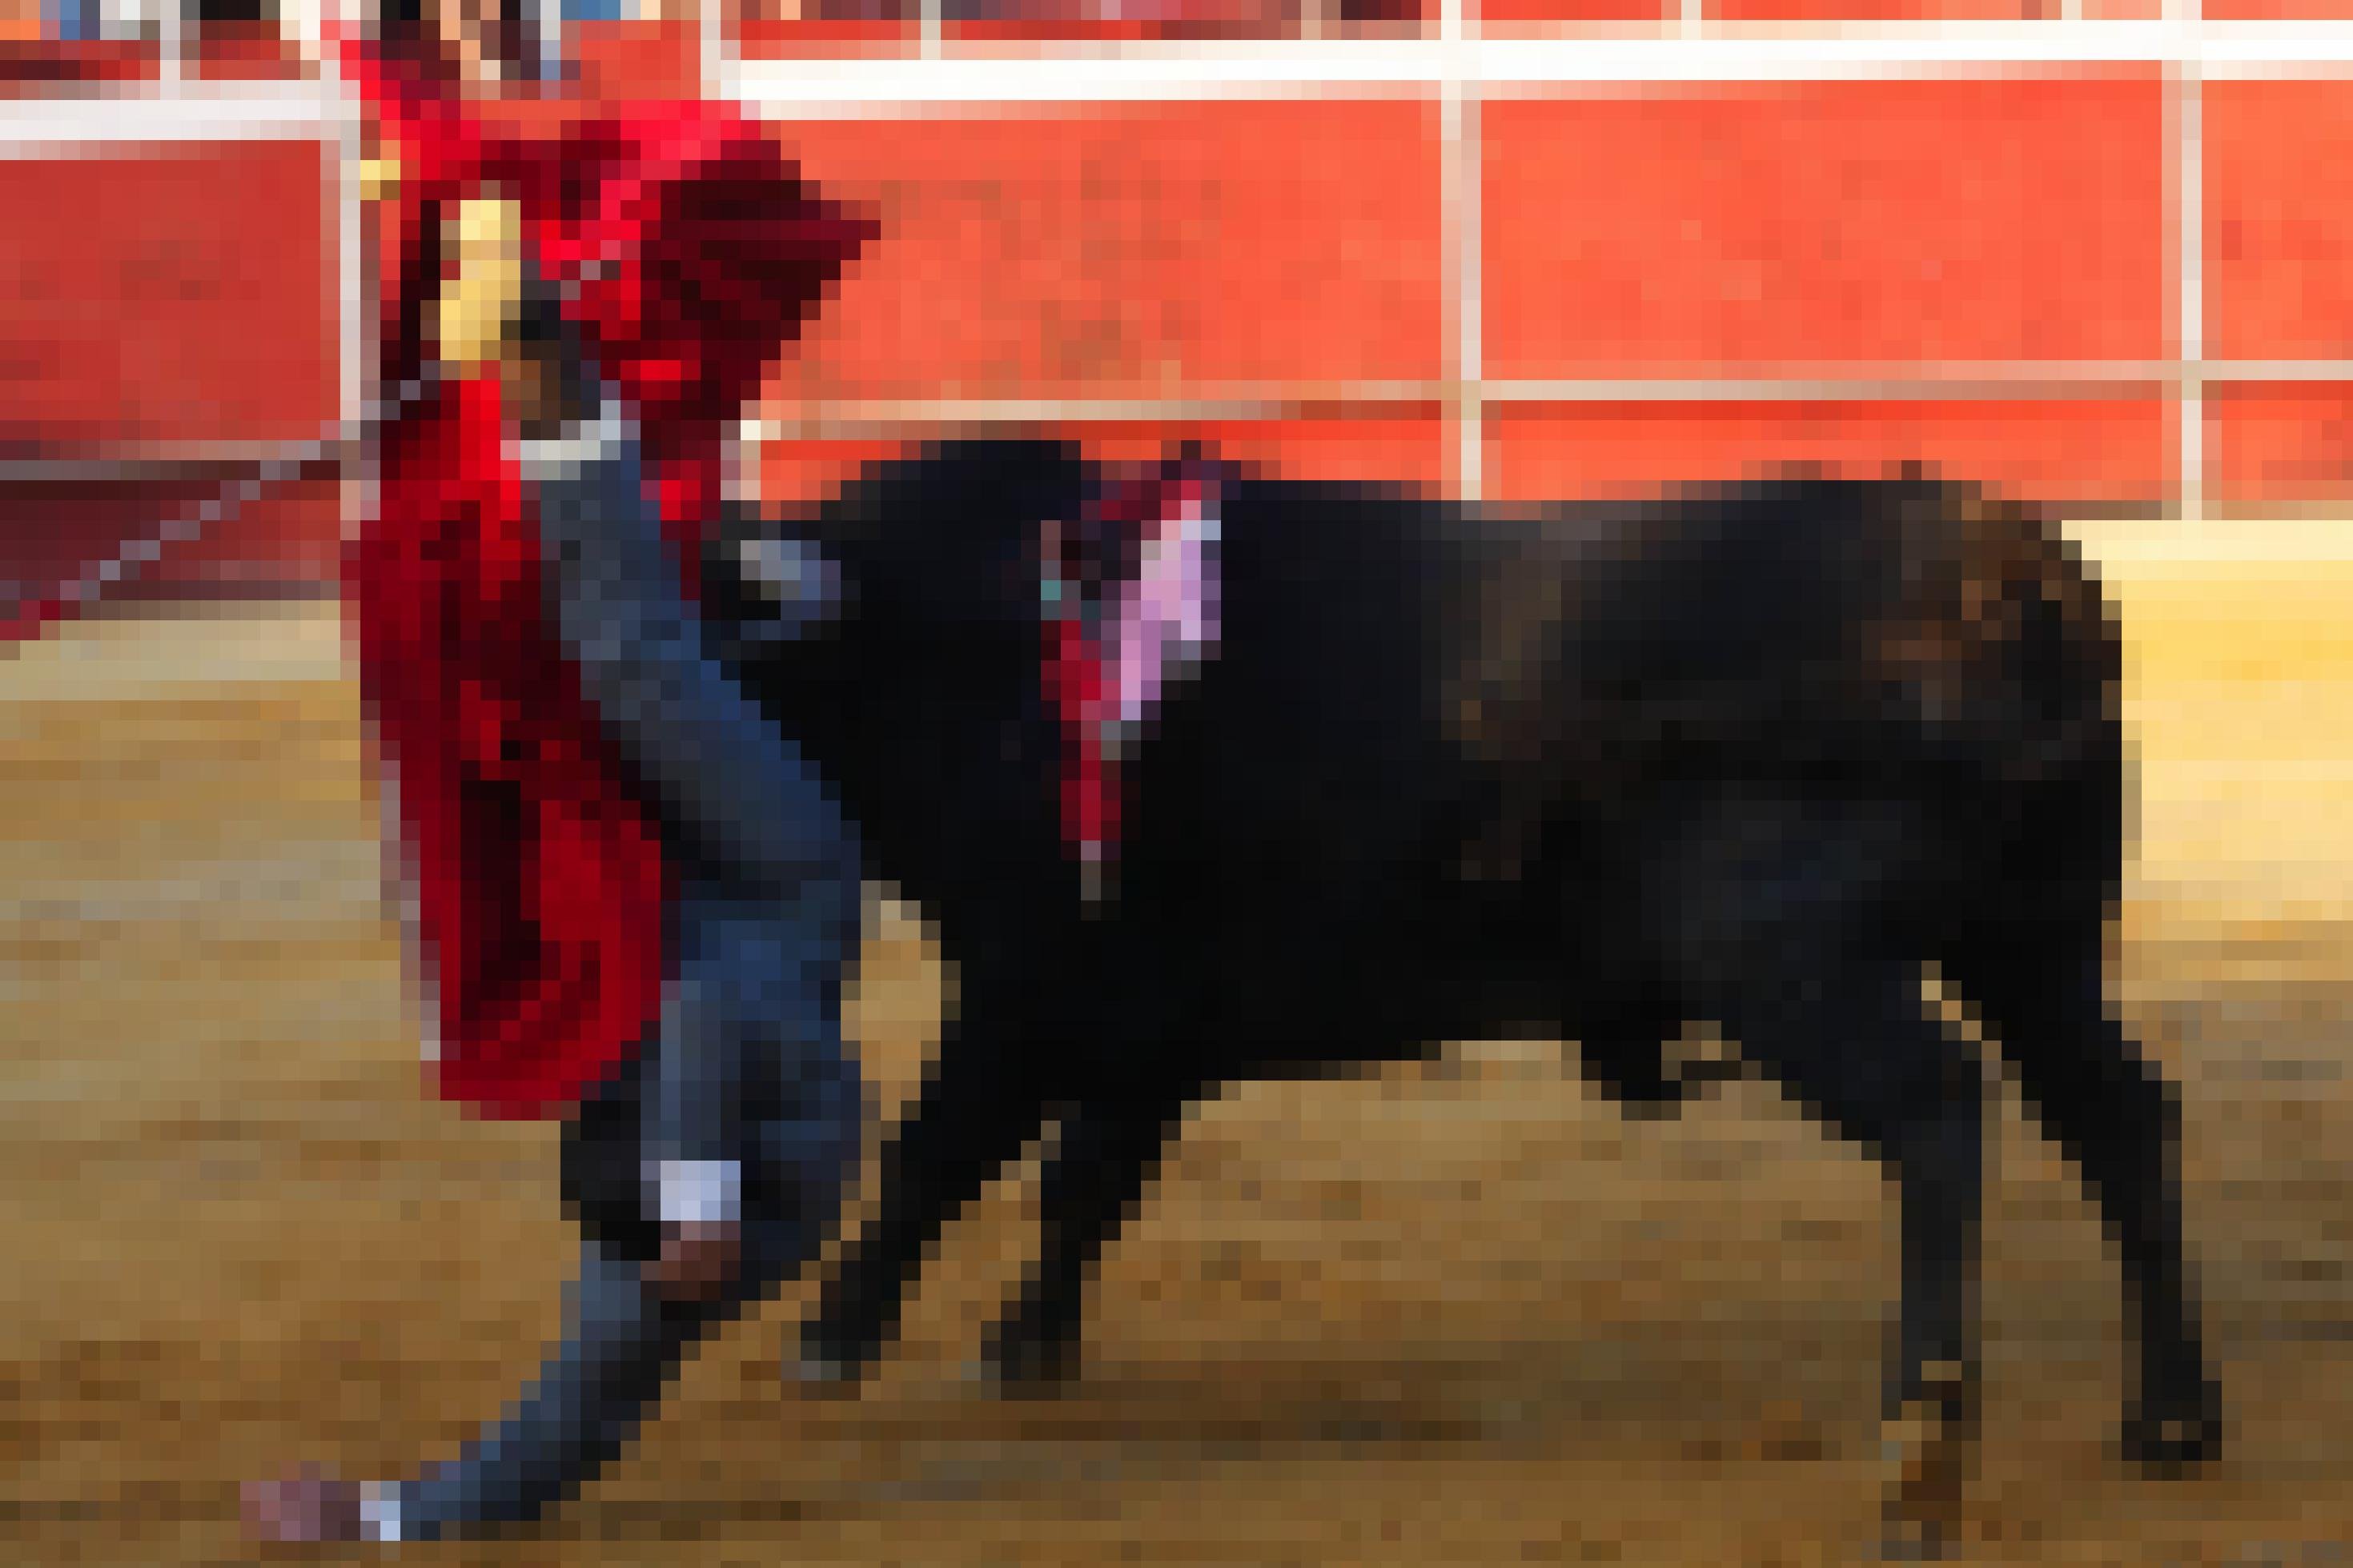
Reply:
x=746, y=1063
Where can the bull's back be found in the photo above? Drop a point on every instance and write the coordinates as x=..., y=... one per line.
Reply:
x=1886, y=631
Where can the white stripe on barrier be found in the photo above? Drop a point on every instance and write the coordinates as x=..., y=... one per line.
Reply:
x=1080, y=73
x=111, y=124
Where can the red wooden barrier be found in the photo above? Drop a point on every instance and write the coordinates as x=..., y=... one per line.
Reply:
x=1298, y=248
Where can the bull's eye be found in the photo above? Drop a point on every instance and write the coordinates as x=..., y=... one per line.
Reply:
x=802, y=584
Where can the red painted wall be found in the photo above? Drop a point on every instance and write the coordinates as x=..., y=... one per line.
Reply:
x=1841, y=230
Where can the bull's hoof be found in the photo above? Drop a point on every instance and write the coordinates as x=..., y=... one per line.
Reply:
x=2170, y=1436
x=1904, y=1539
x=1645, y=1107
x=1926, y=1448
x=817, y=1377
x=827, y=1366
x=1028, y=1365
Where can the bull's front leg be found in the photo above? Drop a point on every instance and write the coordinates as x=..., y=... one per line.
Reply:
x=978, y=1106
x=1108, y=1151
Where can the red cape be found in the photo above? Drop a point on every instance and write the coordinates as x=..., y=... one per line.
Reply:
x=688, y=252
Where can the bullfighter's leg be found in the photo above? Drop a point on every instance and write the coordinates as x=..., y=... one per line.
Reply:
x=978, y=1105
x=2039, y=985
x=795, y=1133
x=1107, y=1153
x=745, y=1089
x=734, y=792
x=1783, y=937
x=713, y=1171
x=796, y=1128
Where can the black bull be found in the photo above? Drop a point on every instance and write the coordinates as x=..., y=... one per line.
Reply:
x=1750, y=757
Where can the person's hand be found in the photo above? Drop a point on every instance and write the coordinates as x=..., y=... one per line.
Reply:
x=482, y=293
x=308, y=1505
x=697, y=1259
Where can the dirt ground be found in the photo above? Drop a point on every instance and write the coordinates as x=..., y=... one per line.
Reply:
x=1460, y=1314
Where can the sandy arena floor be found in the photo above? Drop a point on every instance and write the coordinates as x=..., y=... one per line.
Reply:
x=1453, y=1315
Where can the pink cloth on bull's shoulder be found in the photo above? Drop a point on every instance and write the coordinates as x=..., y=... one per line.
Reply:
x=1117, y=638
x=1167, y=615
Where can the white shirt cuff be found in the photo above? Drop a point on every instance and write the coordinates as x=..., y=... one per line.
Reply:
x=380, y=1512
x=701, y=1192
x=562, y=457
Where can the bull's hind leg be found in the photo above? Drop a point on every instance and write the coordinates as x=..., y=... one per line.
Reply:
x=2039, y=985
x=1859, y=1050
x=1105, y=1158
x=1787, y=921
